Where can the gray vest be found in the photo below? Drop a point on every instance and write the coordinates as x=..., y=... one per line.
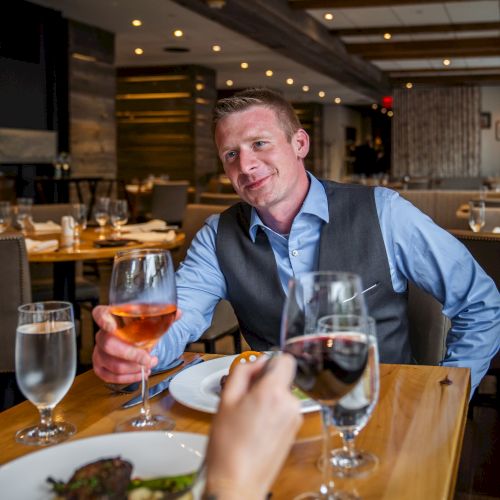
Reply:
x=352, y=241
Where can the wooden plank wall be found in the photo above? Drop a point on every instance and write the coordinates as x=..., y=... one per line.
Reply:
x=92, y=89
x=164, y=122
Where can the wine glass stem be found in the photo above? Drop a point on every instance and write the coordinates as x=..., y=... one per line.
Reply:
x=46, y=422
x=327, y=484
x=348, y=438
x=145, y=410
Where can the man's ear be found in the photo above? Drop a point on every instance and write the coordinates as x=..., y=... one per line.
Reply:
x=300, y=143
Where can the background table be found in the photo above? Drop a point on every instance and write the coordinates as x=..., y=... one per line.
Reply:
x=64, y=259
x=416, y=431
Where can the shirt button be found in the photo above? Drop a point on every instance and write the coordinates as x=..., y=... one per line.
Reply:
x=295, y=253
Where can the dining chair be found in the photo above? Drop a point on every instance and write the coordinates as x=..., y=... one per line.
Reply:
x=428, y=327
x=169, y=201
x=15, y=291
x=224, y=321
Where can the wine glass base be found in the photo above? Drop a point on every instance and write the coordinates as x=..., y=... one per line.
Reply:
x=152, y=423
x=343, y=465
x=35, y=436
x=317, y=495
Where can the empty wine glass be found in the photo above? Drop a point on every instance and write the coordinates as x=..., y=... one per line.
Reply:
x=329, y=364
x=119, y=215
x=101, y=213
x=24, y=209
x=5, y=215
x=45, y=366
x=352, y=412
x=477, y=215
x=143, y=300
x=79, y=213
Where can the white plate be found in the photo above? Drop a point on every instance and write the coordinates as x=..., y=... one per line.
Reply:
x=151, y=453
x=199, y=387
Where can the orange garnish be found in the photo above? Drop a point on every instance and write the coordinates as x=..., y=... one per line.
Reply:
x=245, y=357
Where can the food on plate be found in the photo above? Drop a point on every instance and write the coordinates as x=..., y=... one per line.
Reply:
x=105, y=479
x=244, y=357
x=110, y=479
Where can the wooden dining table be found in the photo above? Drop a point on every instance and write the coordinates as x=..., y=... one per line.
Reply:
x=65, y=259
x=416, y=431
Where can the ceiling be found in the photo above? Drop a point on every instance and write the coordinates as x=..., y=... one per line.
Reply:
x=346, y=57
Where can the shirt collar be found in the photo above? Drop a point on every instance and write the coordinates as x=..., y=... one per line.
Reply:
x=315, y=203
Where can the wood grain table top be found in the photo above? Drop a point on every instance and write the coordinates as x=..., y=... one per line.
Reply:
x=416, y=431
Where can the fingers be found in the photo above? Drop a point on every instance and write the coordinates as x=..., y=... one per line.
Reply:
x=281, y=372
x=103, y=318
x=238, y=384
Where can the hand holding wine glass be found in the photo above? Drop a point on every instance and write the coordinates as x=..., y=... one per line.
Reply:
x=45, y=366
x=143, y=301
x=329, y=364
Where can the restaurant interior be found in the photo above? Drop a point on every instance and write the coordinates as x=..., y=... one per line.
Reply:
x=106, y=107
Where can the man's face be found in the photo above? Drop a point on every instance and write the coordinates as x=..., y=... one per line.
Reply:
x=263, y=166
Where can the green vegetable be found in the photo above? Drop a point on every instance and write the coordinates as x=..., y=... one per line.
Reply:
x=171, y=484
x=299, y=394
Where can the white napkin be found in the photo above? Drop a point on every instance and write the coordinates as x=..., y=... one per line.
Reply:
x=496, y=230
x=46, y=227
x=146, y=227
x=148, y=237
x=36, y=246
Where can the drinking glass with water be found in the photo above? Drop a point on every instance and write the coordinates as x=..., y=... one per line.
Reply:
x=45, y=366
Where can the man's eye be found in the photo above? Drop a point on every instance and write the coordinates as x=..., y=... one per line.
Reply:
x=230, y=155
x=260, y=144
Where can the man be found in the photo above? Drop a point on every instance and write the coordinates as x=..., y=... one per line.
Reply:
x=292, y=223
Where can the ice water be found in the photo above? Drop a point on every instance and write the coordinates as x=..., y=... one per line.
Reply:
x=45, y=361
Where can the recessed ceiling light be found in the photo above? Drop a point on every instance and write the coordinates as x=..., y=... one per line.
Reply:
x=289, y=81
x=229, y=83
x=305, y=88
x=374, y=106
x=328, y=16
x=138, y=51
x=199, y=86
x=387, y=36
x=337, y=100
x=383, y=111
x=136, y=23
x=216, y=48
x=269, y=72
x=244, y=65
x=321, y=93
x=178, y=33
x=409, y=85
x=390, y=114
x=446, y=62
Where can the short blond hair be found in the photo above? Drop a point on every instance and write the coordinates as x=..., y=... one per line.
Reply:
x=268, y=98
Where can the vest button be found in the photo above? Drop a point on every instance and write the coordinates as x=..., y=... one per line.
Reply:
x=295, y=253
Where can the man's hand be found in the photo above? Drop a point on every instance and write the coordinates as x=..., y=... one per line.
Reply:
x=253, y=430
x=114, y=360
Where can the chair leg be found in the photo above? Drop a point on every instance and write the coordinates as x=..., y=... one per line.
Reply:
x=237, y=341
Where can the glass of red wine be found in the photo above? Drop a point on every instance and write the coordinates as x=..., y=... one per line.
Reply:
x=352, y=412
x=143, y=302
x=330, y=363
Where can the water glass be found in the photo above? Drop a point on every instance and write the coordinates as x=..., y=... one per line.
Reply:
x=101, y=212
x=118, y=214
x=24, y=209
x=5, y=215
x=45, y=366
x=79, y=213
x=477, y=215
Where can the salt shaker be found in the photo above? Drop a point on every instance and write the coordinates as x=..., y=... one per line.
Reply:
x=68, y=231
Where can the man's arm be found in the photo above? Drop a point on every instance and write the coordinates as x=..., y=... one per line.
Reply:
x=200, y=286
x=434, y=260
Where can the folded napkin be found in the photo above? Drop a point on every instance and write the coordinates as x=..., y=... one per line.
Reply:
x=496, y=229
x=148, y=237
x=36, y=246
x=46, y=227
x=145, y=227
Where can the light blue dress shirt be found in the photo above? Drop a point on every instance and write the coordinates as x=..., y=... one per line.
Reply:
x=417, y=249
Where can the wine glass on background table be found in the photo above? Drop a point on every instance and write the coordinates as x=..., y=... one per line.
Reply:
x=5, y=215
x=477, y=215
x=118, y=215
x=352, y=412
x=79, y=213
x=329, y=364
x=45, y=366
x=24, y=210
x=143, y=301
x=101, y=213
